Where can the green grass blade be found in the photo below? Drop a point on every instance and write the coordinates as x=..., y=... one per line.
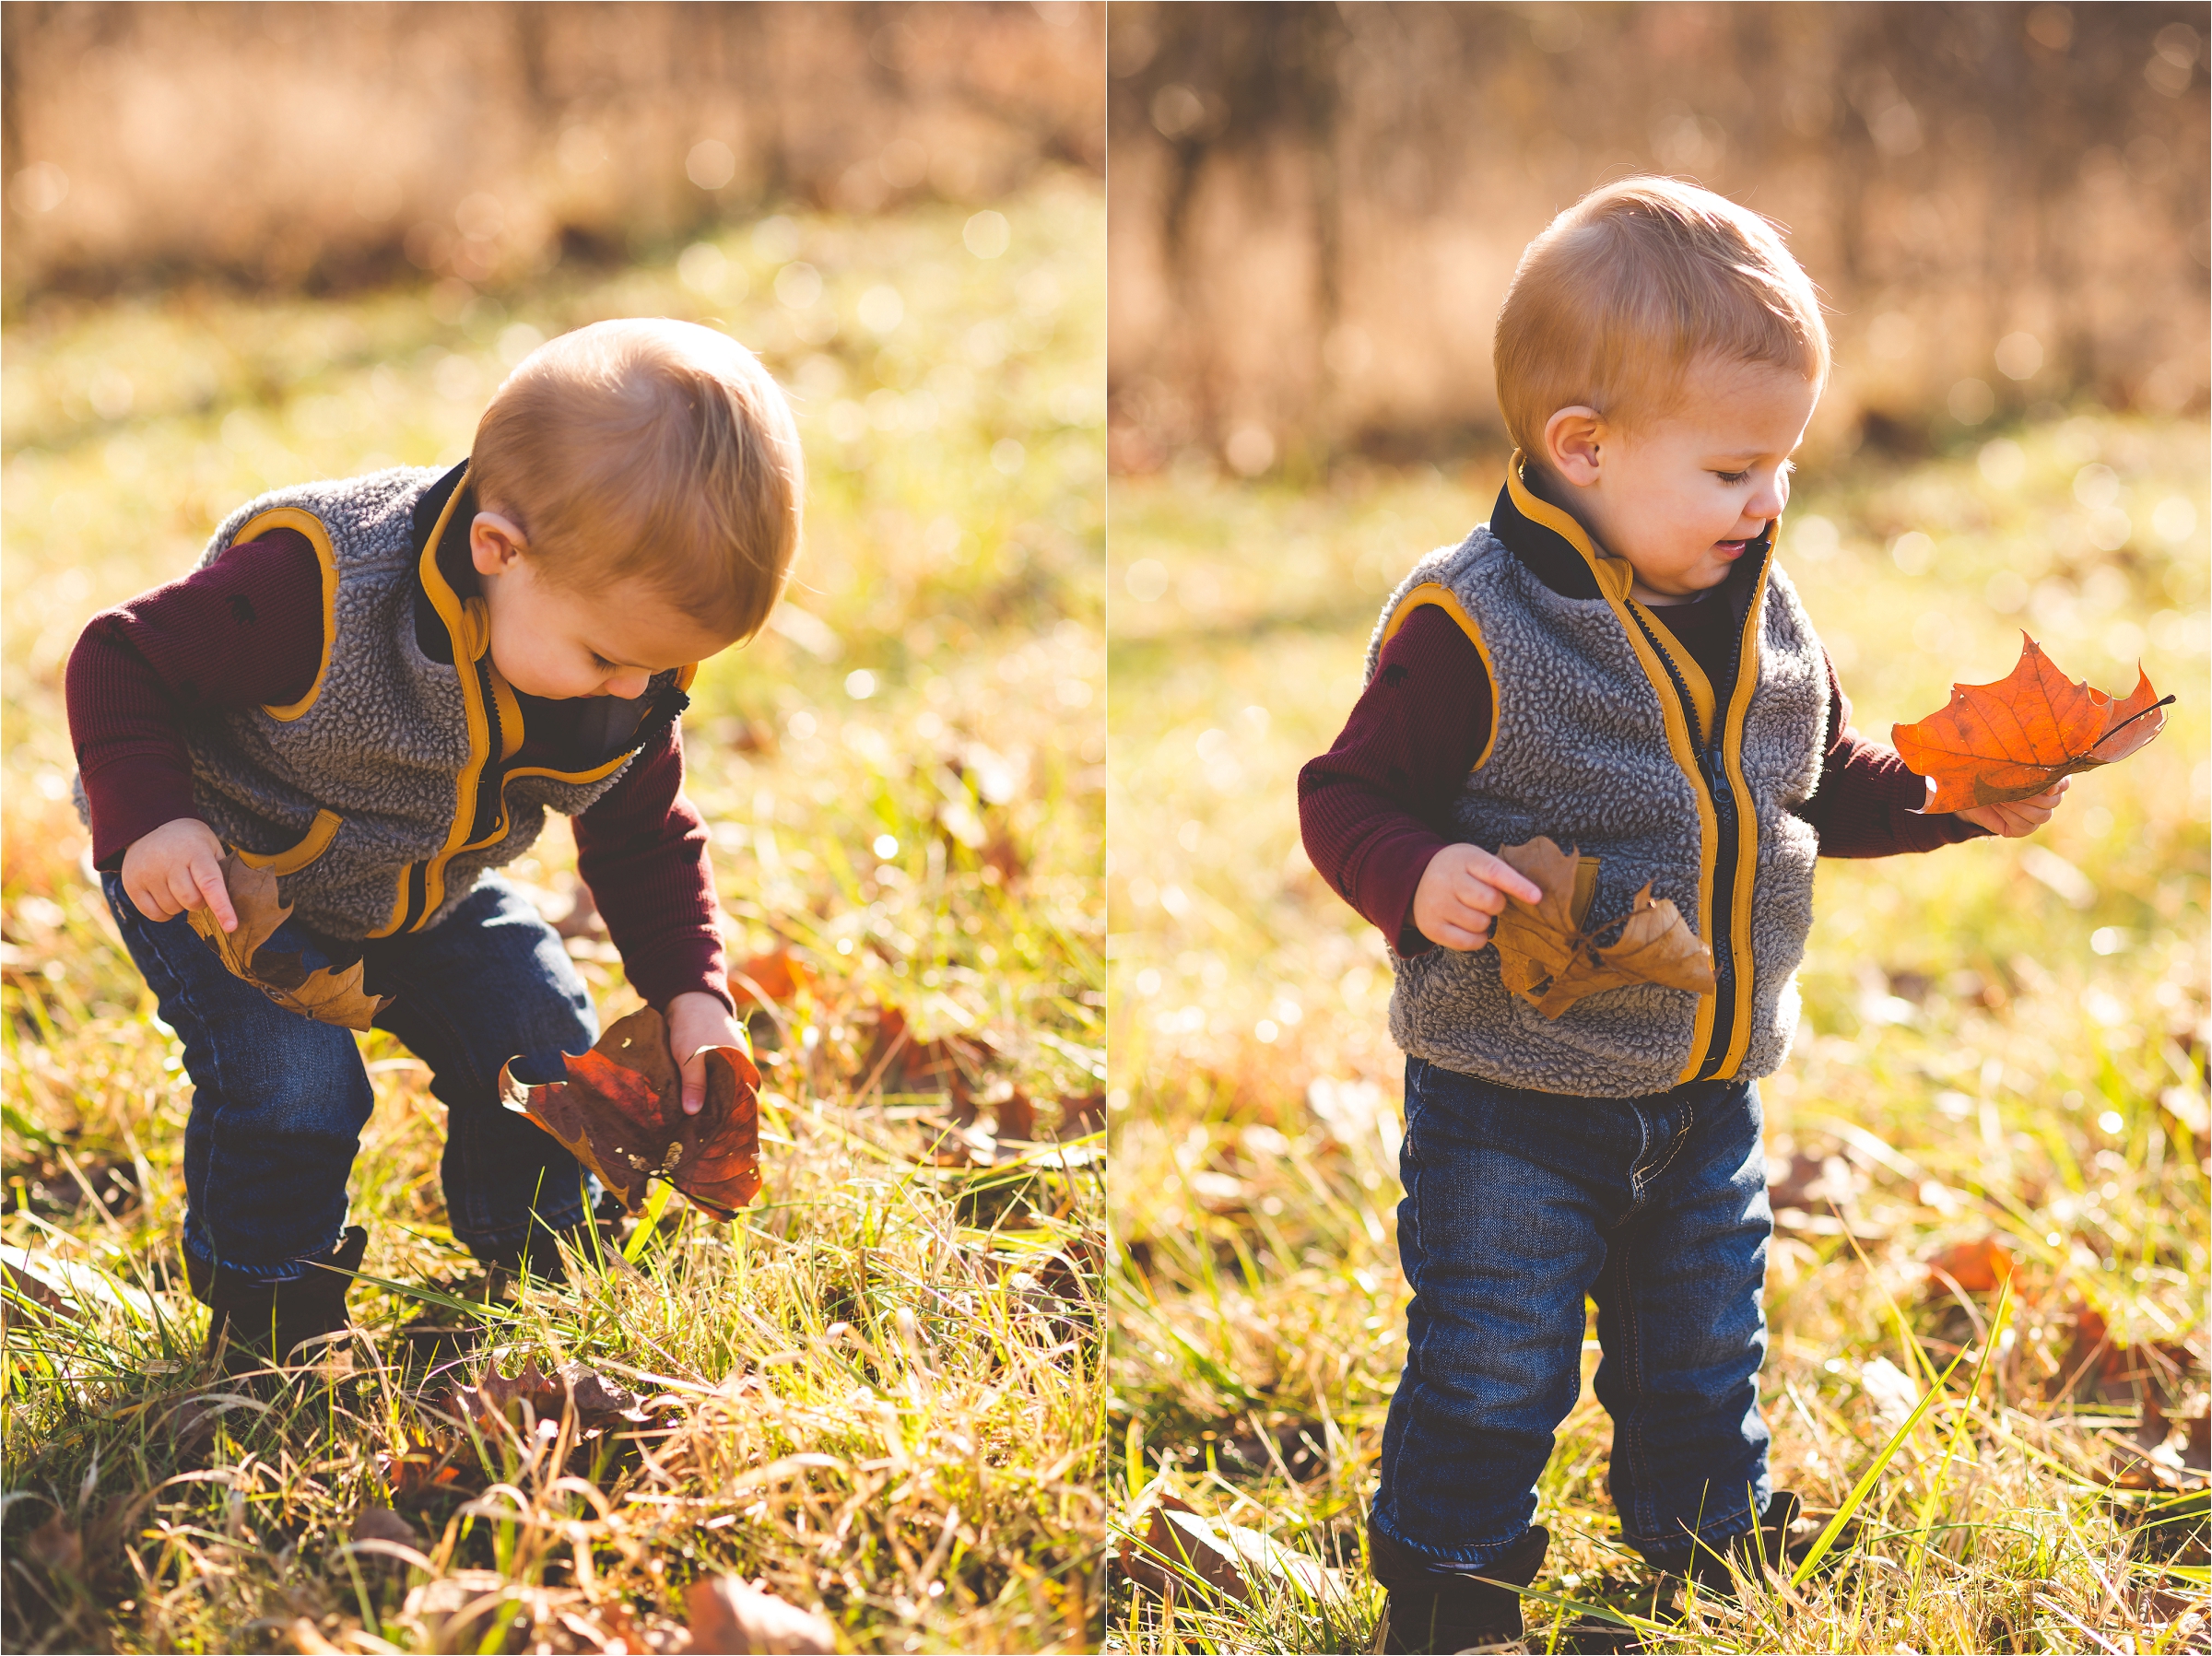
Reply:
x=655, y=1204
x=1860, y=1491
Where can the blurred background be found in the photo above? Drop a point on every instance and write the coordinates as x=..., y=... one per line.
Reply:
x=251, y=246
x=1313, y=212
x=310, y=147
x=1316, y=208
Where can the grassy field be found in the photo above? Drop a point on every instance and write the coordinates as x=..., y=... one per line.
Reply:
x=882, y=1389
x=2003, y=1048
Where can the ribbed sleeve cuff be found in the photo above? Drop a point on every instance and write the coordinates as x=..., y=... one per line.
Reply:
x=132, y=793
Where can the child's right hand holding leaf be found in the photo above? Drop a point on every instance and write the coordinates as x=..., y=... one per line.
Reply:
x=1462, y=891
x=177, y=867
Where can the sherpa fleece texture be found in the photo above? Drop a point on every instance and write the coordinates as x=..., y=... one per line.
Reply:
x=1581, y=754
x=384, y=744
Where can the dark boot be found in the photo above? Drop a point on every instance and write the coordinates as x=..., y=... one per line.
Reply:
x=1780, y=1543
x=1431, y=1613
x=252, y=1323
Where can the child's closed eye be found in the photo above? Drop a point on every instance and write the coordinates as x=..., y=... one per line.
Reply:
x=1732, y=478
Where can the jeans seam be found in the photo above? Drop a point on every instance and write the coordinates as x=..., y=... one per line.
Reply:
x=1631, y=1335
x=1689, y=1123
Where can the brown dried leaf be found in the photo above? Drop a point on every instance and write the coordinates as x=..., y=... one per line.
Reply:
x=380, y=1523
x=597, y=1403
x=1015, y=1116
x=1548, y=955
x=729, y=1616
x=328, y=997
x=58, y=1546
x=620, y=1113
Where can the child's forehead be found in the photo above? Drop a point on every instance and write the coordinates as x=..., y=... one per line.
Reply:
x=1739, y=405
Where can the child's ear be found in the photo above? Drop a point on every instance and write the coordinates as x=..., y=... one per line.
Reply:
x=495, y=544
x=1571, y=447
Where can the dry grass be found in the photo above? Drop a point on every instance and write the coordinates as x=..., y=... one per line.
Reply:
x=2004, y=1042
x=881, y=1389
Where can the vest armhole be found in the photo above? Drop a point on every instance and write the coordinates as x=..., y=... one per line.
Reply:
x=310, y=526
x=1436, y=595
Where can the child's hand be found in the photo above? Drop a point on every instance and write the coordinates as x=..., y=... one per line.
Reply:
x=176, y=867
x=697, y=1021
x=1462, y=887
x=2020, y=816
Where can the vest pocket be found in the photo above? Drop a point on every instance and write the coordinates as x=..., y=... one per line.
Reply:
x=319, y=833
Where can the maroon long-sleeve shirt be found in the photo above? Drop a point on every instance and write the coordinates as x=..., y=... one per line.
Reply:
x=1373, y=809
x=247, y=632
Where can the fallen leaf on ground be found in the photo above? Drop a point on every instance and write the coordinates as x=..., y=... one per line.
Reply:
x=380, y=1523
x=1081, y=1114
x=1548, y=955
x=415, y=1472
x=597, y=1403
x=308, y=1638
x=328, y=997
x=899, y=1063
x=57, y=1546
x=777, y=977
x=620, y=1113
x=1995, y=743
x=1181, y=1543
x=1977, y=1267
x=1015, y=1116
x=729, y=1616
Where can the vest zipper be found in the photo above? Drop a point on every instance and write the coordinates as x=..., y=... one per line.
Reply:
x=1714, y=776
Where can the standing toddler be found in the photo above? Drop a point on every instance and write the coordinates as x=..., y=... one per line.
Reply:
x=1615, y=662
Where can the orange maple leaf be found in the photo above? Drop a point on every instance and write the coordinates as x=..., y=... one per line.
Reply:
x=620, y=1113
x=2010, y=740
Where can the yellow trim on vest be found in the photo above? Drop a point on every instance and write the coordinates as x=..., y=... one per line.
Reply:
x=511, y=716
x=1614, y=580
x=1442, y=597
x=457, y=618
x=1747, y=828
x=319, y=833
x=684, y=675
x=579, y=777
x=307, y=523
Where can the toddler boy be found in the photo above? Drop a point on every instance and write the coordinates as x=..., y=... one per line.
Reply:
x=376, y=687
x=1615, y=662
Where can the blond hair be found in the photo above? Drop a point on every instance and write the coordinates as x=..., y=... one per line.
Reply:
x=653, y=449
x=1612, y=303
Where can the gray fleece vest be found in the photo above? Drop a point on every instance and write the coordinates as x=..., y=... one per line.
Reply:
x=380, y=798
x=1598, y=743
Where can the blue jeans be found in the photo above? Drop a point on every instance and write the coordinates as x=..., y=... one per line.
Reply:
x=1518, y=1205
x=279, y=1100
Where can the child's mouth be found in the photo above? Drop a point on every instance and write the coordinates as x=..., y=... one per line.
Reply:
x=1730, y=548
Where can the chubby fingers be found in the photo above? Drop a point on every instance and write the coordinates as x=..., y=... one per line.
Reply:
x=694, y=1072
x=206, y=877
x=1501, y=875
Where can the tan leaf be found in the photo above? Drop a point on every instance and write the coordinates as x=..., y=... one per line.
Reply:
x=1548, y=957
x=1180, y=1543
x=730, y=1617
x=323, y=994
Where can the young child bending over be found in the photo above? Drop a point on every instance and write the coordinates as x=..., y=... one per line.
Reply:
x=1615, y=662
x=377, y=688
